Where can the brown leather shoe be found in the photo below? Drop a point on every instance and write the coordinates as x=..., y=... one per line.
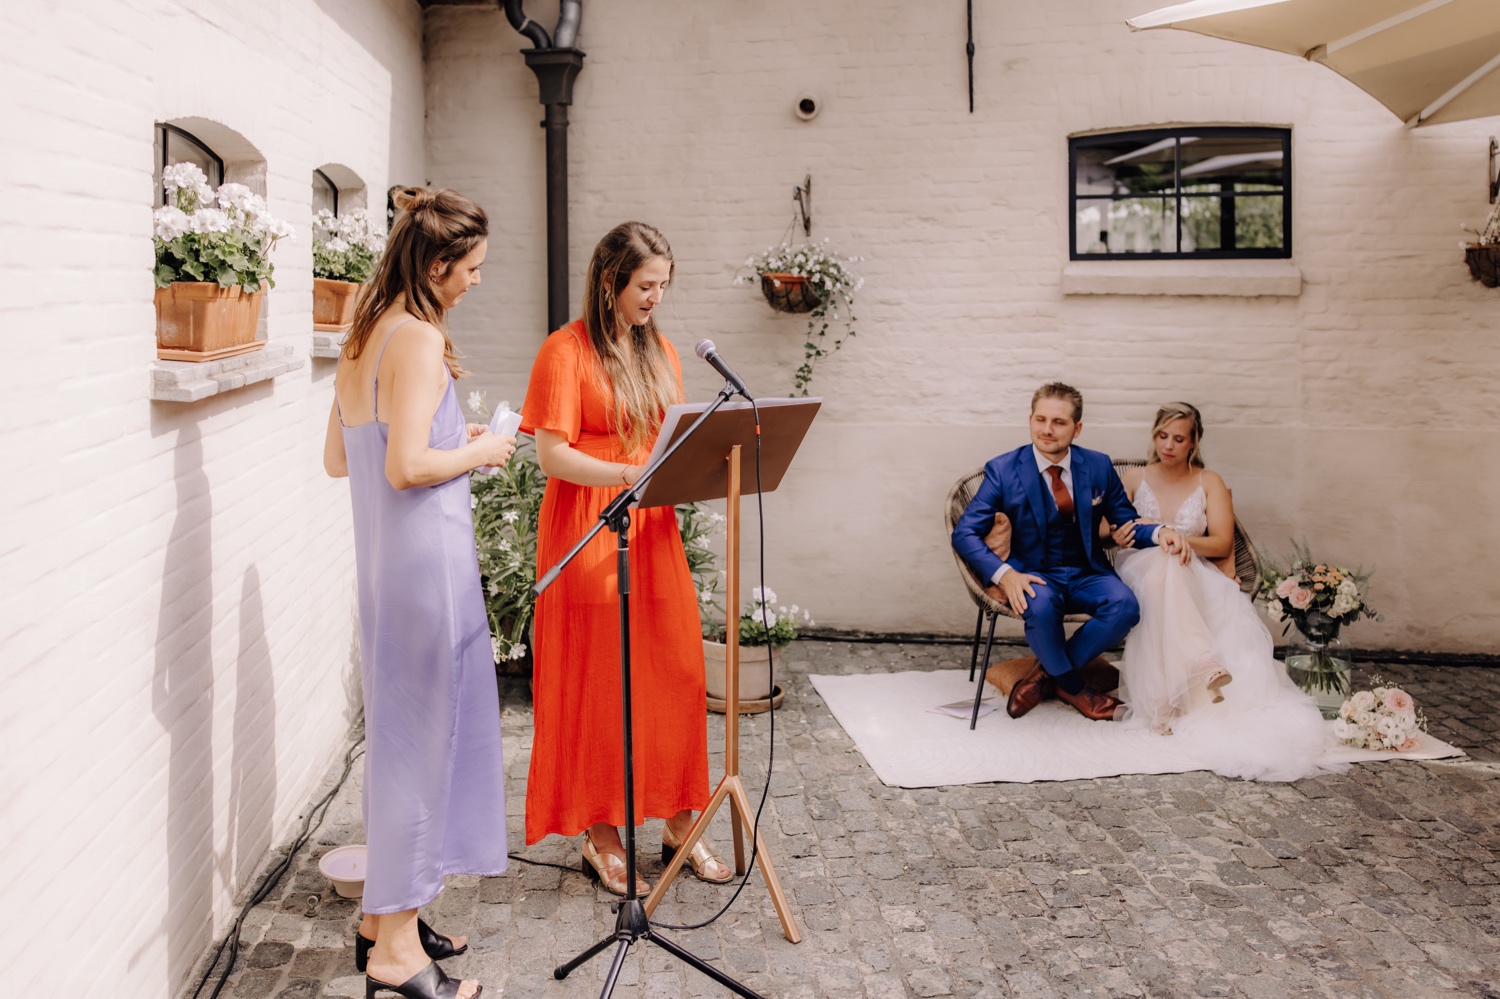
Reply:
x=1031, y=690
x=1092, y=704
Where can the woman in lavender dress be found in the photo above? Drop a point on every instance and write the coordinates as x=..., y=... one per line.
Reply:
x=434, y=797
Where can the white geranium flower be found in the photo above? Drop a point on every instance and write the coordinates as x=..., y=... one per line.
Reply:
x=209, y=220
x=171, y=222
x=236, y=196
x=763, y=595
x=182, y=175
x=473, y=501
x=338, y=245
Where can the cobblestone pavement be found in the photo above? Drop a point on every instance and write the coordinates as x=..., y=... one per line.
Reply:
x=1383, y=882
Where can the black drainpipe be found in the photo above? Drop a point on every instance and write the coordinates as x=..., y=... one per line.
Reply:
x=556, y=67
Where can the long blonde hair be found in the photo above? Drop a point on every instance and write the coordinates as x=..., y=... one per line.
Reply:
x=1178, y=411
x=435, y=227
x=640, y=376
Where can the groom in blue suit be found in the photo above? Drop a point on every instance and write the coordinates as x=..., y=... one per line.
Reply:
x=1055, y=495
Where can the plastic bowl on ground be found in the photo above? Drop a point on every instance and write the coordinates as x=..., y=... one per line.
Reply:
x=345, y=867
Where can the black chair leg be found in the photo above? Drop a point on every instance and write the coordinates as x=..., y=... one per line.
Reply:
x=984, y=672
x=974, y=652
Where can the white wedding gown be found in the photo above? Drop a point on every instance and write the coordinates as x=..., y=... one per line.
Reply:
x=1194, y=621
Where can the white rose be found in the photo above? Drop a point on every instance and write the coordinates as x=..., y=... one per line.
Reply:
x=1342, y=730
x=1363, y=701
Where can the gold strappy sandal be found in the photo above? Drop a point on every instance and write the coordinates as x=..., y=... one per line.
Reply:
x=608, y=870
x=697, y=861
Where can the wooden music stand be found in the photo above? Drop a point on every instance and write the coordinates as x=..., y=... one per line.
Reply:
x=784, y=423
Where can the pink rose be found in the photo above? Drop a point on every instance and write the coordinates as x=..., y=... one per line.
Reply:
x=1410, y=745
x=1300, y=598
x=1397, y=699
x=1286, y=588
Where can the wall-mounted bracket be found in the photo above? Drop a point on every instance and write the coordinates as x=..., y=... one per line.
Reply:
x=1493, y=174
x=803, y=197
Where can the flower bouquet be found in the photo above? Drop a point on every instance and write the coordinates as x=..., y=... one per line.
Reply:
x=808, y=278
x=1385, y=718
x=1318, y=599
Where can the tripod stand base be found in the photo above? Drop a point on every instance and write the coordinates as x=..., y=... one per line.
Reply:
x=632, y=925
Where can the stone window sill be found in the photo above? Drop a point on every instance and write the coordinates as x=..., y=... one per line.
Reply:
x=328, y=345
x=190, y=381
x=1231, y=278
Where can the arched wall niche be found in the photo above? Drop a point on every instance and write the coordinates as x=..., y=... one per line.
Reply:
x=243, y=163
x=353, y=192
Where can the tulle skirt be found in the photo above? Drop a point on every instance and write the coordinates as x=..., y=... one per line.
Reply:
x=1195, y=621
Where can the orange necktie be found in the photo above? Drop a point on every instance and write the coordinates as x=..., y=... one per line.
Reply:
x=1060, y=492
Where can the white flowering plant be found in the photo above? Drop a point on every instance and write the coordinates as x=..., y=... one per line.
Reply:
x=830, y=276
x=346, y=247
x=1490, y=234
x=506, y=507
x=1385, y=718
x=763, y=624
x=223, y=235
x=699, y=525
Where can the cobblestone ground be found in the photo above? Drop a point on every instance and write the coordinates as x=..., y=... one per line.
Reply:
x=1383, y=882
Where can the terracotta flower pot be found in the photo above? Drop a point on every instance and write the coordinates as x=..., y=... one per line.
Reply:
x=755, y=671
x=789, y=292
x=333, y=304
x=200, y=321
x=1484, y=263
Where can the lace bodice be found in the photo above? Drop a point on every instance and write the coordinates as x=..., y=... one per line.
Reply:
x=1191, y=518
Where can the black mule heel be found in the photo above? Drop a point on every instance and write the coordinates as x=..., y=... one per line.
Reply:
x=437, y=946
x=429, y=983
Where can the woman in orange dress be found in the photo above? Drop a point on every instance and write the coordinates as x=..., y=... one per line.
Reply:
x=599, y=389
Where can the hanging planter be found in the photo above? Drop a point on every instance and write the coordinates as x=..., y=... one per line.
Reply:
x=1484, y=263
x=213, y=264
x=200, y=321
x=789, y=292
x=346, y=249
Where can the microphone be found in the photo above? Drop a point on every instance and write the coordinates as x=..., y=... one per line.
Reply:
x=705, y=349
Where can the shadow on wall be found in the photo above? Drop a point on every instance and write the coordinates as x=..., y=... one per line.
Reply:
x=252, y=771
x=182, y=700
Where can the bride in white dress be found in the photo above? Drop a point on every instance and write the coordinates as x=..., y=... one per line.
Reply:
x=1200, y=665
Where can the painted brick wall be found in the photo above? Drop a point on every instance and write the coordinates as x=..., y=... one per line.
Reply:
x=176, y=581
x=1360, y=414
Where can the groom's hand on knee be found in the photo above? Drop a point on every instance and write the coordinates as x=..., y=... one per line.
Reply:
x=1018, y=588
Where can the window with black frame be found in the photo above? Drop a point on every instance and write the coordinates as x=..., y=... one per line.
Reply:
x=1181, y=193
x=174, y=145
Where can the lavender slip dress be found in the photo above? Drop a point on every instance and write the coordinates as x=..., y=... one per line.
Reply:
x=434, y=793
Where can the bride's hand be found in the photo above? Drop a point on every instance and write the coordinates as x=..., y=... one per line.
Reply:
x=1175, y=544
x=1125, y=534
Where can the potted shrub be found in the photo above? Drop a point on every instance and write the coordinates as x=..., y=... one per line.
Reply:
x=762, y=628
x=808, y=278
x=213, y=262
x=346, y=249
x=1483, y=255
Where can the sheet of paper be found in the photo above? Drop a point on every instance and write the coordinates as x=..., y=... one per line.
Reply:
x=505, y=423
x=964, y=709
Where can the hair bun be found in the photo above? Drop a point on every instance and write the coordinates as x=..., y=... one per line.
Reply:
x=410, y=199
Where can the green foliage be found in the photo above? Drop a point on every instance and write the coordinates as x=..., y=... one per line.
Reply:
x=224, y=236
x=698, y=525
x=831, y=278
x=228, y=258
x=506, y=507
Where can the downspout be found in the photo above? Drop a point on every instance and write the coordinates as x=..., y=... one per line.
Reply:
x=556, y=67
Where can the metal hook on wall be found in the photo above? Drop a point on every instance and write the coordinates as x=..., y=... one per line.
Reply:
x=1494, y=176
x=803, y=197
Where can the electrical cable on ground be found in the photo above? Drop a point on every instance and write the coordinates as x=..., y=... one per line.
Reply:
x=310, y=823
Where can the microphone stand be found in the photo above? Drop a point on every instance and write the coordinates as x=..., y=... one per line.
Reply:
x=631, y=922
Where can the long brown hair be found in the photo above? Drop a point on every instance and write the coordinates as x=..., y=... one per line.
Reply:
x=1178, y=411
x=435, y=227
x=640, y=375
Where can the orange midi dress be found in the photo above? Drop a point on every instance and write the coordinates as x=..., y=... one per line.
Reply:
x=577, y=769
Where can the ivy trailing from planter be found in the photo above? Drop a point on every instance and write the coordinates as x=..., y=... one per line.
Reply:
x=814, y=279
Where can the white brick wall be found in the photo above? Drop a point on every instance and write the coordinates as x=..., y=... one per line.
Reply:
x=176, y=581
x=1360, y=415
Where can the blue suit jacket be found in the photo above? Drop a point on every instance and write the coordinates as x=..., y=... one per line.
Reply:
x=1013, y=486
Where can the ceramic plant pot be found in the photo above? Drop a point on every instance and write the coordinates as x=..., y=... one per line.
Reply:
x=755, y=671
x=333, y=304
x=200, y=321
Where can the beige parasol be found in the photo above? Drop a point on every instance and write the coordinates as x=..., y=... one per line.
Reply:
x=1429, y=62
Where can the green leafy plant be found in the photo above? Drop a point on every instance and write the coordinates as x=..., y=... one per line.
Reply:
x=834, y=282
x=346, y=247
x=225, y=236
x=761, y=624
x=506, y=507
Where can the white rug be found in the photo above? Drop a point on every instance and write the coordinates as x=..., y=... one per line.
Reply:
x=889, y=717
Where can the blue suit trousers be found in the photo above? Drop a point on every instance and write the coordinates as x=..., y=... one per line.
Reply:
x=1072, y=591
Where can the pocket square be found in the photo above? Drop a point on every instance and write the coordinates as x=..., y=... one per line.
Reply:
x=1098, y=500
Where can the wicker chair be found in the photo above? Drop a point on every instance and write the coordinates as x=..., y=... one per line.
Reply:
x=1246, y=573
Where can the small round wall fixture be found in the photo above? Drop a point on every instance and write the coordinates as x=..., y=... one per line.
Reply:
x=807, y=106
